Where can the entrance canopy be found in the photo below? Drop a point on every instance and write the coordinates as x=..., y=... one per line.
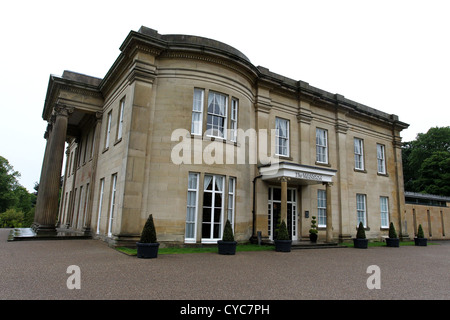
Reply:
x=298, y=174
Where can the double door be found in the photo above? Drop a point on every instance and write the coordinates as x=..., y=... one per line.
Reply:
x=274, y=212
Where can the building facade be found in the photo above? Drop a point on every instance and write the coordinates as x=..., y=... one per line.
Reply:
x=189, y=130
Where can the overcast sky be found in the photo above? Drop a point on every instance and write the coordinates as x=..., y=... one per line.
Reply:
x=390, y=55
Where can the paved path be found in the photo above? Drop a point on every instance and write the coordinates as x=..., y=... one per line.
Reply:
x=38, y=270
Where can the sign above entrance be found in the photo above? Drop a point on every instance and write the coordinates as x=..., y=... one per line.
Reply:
x=299, y=174
x=309, y=176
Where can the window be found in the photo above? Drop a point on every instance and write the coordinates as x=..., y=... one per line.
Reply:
x=100, y=202
x=217, y=115
x=381, y=160
x=361, y=209
x=112, y=203
x=321, y=146
x=321, y=208
x=231, y=200
x=359, y=154
x=92, y=143
x=384, y=210
x=191, y=211
x=108, y=129
x=79, y=212
x=233, y=120
x=282, y=137
x=197, y=112
x=120, y=119
x=212, y=208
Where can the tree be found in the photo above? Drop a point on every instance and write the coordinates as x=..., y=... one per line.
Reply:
x=16, y=203
x=8, y=183
x=426, y=162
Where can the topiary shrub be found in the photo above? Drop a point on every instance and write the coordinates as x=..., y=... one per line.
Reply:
x=313, y=226
x=420, y=233
x=228, y=232
x=361, y=234
x=392, y=232
x=149, y=232
x=283, y=233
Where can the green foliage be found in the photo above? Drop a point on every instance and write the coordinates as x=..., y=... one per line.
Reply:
x=420, y=233
x=16, y=203
x=149, y=232
x=426, y=162
x=283, y=233
x=228, y=232
x=361, y=233
x=392, y=232
x=11, y=218
x=8, y=183
x=313, y=226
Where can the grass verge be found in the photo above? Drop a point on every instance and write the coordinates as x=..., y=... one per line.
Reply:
x=174, y=250
x=383, y=244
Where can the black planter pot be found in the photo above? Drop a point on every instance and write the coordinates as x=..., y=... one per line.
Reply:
x=393, y=242
x=226, y=247
x=360, y=243
x=147, y=250
x=420, y=242
x=283, y=245
x=313, y=237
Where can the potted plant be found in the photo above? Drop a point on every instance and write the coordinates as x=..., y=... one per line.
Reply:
x=147, y=247
x=420, y=240
x=227, y=245
x=393, y=240
x=360, y=241
x=313, y=232
x=282, y=241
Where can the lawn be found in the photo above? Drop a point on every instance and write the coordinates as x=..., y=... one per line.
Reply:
x=206, y=249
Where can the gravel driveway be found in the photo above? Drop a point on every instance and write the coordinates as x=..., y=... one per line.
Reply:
x=38, y=270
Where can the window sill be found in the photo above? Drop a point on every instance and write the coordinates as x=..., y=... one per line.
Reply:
x=360, y=170
x=323, y=164
x=284, y=157
x=382, y=174
x=106, y=149
x=117, y=141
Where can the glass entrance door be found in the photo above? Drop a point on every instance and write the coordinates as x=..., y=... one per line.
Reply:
x=274, y=212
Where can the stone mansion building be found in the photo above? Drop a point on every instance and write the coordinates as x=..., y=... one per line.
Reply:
x=189, y=130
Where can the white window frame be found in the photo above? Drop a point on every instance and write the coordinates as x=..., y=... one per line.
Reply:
x=358, y=147
x=231, y=200
x=384, y=212
x=321, y=146
x=234, y=119
x=100, y=203
x=211, y=238
x=112, y=203
x=361, y=209
x=197, y=111
x=108, y=129
x=213, y=130
x=279, y=137
x=191, y=219
x=381, y=159
x=321, y=208
x=120, y=120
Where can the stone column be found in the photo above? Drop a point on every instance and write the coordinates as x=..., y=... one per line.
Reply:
x=39, y=200
x=329, y=235
x=47, y=205
x=283, y=212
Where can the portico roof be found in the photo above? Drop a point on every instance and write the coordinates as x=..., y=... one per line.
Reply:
x=297, y=173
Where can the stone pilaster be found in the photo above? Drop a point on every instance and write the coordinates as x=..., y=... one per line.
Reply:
x=329, y=230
